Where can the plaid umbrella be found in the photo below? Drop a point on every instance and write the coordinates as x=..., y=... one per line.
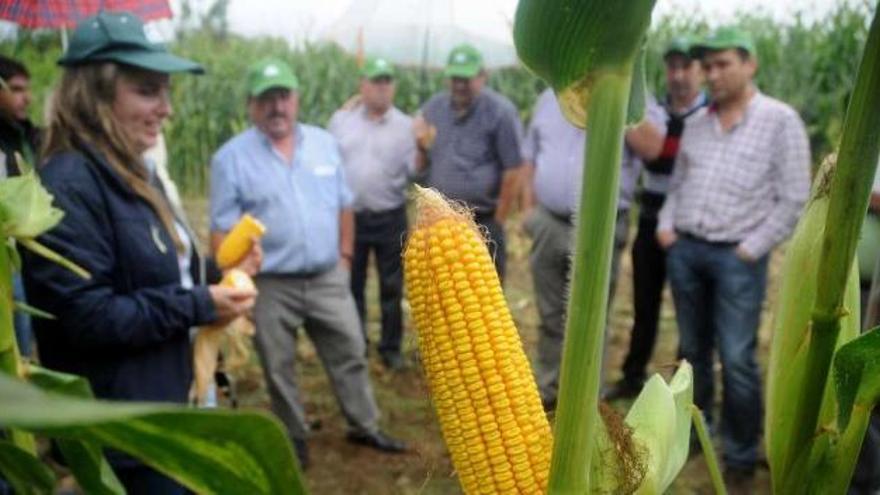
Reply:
x=66, y=13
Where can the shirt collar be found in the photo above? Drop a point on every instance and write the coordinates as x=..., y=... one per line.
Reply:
x=365, y=114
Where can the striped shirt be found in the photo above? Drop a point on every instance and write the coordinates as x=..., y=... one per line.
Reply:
x=745, y=185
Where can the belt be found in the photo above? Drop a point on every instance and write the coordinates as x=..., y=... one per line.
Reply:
x=570, y=218
x=381, y=213
x=692, y=237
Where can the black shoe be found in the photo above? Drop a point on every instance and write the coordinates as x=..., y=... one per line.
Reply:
x=393, y=361
x=378, y=440
x=302, y=452
x=624, y=389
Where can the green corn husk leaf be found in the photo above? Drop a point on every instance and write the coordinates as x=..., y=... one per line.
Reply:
x=24, y=472
x=84, y=458
x=789, y=443
x=207, y=451
x=26, y=207
x=570, y=44
x=51, y=255
x=661, y=421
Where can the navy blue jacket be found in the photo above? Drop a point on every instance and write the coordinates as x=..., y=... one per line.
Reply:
x=126, y=329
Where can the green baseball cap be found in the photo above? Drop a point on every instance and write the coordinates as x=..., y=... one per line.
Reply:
x=120, y=37
x=377, y=67
x=270, y=73
x=464, y=61
x=724, y=38
x=680, y=45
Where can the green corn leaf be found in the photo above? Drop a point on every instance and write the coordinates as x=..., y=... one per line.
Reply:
x=857, y=374
x=638, y=91
x=208, y=451
x=84, y=458
x=661, y=421
x=51, y=255
x=26, y=207
x=26, y=474
x=32, y=311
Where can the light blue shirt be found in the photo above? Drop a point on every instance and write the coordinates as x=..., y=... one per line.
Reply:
x=299, y=202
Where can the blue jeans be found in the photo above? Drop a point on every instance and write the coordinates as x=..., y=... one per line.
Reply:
x=718, y=299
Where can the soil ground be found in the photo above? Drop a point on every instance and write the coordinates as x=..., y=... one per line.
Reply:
x=342, y=468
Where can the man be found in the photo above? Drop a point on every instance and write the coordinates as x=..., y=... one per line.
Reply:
x=740, y=181
x=378, y=149
x=475, y=156
x=658, y=141
x=17, y=136
x=289, y=176
x=554, y=154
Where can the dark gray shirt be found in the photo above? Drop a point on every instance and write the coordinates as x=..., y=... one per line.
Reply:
x=471, y=152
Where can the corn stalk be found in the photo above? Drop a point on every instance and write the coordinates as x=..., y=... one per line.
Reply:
x=806, y=448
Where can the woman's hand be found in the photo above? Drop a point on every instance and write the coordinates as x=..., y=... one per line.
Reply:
x=231, y=302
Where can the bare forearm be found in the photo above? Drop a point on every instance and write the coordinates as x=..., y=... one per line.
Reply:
x=509, y=190
x=346, y=233
x=645, y=140
x=527, y=186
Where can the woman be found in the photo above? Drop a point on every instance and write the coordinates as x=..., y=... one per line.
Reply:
x=126, y=328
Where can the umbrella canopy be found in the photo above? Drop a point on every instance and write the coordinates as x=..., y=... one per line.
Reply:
x=422, y=32
x=34, y=14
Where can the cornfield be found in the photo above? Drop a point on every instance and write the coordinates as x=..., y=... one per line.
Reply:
x=807, y=64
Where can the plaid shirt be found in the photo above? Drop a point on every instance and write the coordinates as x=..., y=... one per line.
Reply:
x=744, y=185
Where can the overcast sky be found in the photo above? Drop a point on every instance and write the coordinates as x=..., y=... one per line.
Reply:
x=306, y=19
x=297, y=20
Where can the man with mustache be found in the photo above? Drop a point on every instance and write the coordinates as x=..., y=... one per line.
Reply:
x=289, y=176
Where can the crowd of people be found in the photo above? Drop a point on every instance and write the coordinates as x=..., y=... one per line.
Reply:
x=717, y=173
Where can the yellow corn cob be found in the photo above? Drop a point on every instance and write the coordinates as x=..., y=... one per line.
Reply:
x=238, y=242
x=480, y=379
x=209, y=339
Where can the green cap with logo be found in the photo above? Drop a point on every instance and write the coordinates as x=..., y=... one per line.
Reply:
x=464, y=61
x=724, y=38
x=270, y=73
x=120, y=37
x=680, y=45
x=376, y=67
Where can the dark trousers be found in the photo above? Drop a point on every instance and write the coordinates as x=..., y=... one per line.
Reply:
x=382, y=233
x=142, y=480
x=496, y=241
x=649, y=275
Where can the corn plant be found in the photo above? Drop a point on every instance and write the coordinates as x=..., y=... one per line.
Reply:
x=823, y=380
x=207, y=451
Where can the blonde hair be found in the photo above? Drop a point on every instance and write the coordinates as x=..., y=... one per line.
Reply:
x=82, y=116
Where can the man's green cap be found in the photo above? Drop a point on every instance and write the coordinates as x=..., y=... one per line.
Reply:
x=464, y=61
x=680, y=45
x=724, y=38
x=120, y=37
x=377, y=67
x=270, y=73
